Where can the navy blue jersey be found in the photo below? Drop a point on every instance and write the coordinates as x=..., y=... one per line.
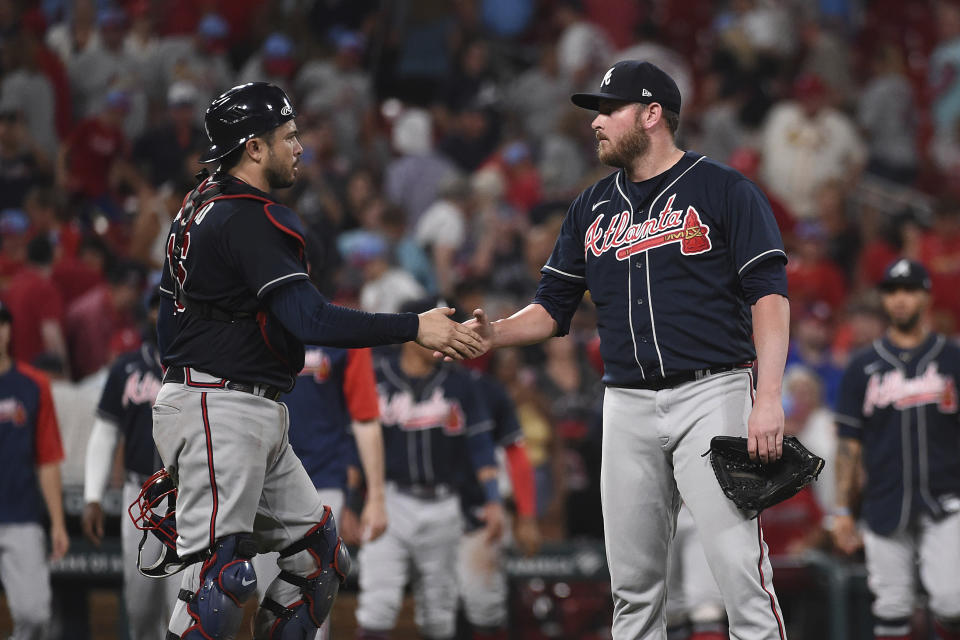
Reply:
x=335, y=387
x=29, y=437
x=902, y=406
x=506, y=431
x=239, y=248
x=663, y=260
x=127, y=402
x=432, y=426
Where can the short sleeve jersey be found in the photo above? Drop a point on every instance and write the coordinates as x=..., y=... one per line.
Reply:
x=29, y=437
x=127, y=402
x=240, y=246
x=663, y=260
x=901, y=404
x=430, y=424
x=335, y=387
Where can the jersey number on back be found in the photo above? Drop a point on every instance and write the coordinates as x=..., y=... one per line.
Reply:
x=180, y=273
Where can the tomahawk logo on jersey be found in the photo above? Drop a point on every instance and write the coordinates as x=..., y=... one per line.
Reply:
x=633, y=241
x=905, y=403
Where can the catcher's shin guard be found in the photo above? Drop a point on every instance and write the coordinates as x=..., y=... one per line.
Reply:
x=311, y=572
x=227, y=581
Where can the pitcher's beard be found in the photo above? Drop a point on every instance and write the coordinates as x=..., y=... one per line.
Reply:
x=631, y=146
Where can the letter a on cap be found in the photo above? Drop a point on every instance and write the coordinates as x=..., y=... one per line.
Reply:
x=606, y=77
x=900, y=270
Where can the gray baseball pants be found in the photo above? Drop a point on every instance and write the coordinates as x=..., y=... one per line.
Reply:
x=653, y=446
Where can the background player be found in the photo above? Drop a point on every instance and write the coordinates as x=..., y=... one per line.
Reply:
x=235, y=312
x=125, y=410
x=677, y=252
x=32, y=452
x=434, y=425
x=481, y=576
x=335, y=396
x=897, y=414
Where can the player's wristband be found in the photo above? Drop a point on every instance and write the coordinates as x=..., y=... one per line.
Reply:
x=842, y=512
x=491, y=490
x=353, y=499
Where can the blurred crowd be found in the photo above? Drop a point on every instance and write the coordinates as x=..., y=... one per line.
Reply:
x=441, y=152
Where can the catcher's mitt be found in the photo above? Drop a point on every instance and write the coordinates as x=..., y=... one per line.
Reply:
x=754, y=486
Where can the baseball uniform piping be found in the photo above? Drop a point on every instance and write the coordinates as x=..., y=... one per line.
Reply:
x=922, y=430
x=757, y=257
x=773, y=603
x=905, y=446
x=653, y=324
x=275, y=280
x=633, y=336
x=563, y=273
x=213, y=479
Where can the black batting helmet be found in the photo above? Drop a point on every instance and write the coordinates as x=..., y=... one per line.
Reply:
x=243, y=112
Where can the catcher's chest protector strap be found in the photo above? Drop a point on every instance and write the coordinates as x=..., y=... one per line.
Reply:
x=206, y=193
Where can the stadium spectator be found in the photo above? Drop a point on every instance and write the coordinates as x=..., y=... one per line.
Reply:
x=102, y=315
x=805, y=142
x=33, y=298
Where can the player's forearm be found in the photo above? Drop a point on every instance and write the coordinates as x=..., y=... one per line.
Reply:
x=771, y=334
x=54, y=341
x=99, y=458
x=48, y=476
x=847, y=470
x=369, y=439
x=530, y=325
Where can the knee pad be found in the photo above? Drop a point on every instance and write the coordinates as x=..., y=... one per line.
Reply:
x=947, y=628
x=322, y=549
x=227, y=581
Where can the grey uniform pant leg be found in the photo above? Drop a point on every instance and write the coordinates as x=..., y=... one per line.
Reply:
x=149, y=601
x=25, y=575
x=652, y=455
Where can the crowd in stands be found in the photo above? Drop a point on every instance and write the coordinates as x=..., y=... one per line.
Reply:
x=441, y=152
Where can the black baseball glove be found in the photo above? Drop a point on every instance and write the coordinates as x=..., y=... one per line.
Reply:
x=754, y=486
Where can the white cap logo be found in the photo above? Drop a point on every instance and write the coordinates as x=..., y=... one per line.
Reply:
x=646, y=94
x=287, y=110
x=900, y=270
x=606, y=78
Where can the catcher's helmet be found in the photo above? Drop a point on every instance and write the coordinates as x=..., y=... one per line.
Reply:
x=154, y=511
x=243, y=112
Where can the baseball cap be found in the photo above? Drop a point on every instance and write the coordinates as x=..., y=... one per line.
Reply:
x=213, y=26
x=633, y=81
x=277, y=46
x=905, y=273
x=181, y=93
x=117, y=99
x=14, y=222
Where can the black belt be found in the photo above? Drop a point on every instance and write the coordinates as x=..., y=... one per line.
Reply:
x=682, y=377
x=425, y=491
x=268, y=391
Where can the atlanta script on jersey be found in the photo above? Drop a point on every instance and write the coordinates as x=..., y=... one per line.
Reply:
x=432, y=426
x=902, y=404
x=663, y=260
